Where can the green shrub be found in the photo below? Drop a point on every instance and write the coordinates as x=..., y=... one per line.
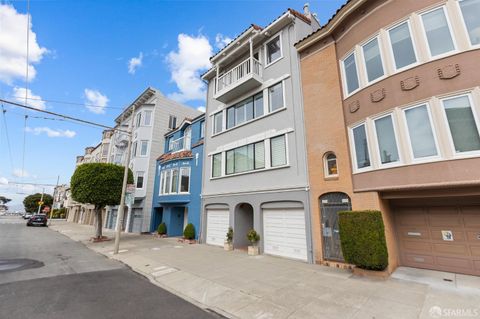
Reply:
x=162, y=229
x=253, y=237
x=229, y=235
x=362, y=234
x=189, y=231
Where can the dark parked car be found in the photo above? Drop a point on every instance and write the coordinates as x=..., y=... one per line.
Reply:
x=37, y=220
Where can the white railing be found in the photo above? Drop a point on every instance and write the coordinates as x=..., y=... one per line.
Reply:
x=237, y=73
x=177, y=145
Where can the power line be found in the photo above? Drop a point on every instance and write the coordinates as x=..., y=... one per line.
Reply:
x=8, y=137
x=70, y=103
x=63, y=116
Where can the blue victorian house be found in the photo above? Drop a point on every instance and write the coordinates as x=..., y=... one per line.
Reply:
x=178, y=178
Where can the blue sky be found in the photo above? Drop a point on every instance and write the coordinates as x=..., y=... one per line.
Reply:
x=105, y=53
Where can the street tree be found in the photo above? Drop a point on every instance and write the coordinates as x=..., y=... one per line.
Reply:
x=98, y=184
x=31, y=202
x=4, y=200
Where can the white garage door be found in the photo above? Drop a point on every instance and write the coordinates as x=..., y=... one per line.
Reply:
x=217, y=226
x=284, y=233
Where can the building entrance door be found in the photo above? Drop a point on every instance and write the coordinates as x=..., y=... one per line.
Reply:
x=330, y=205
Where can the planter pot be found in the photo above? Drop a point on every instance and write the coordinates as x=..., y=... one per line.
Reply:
x=228, y=246
x=253, y=250
x=380, y=274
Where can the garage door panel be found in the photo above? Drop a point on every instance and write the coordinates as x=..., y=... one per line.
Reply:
x=413, y=217
x=284, y=233
x=417, y=246
x=458, y=234
x=426, y=246
x=449, y=249
x=454, y=263
x=413, y=233
x=217, y=226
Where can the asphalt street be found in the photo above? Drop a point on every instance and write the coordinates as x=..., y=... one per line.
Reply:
x=43, y=274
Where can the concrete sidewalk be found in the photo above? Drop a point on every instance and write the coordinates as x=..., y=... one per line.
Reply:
x=262, y=287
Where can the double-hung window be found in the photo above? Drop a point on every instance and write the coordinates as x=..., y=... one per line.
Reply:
x=437, y=31
x=174, y=188
x=147, y=120
x=172, y=122
x=420, y=132
x=462, y=123
x=471, y=16
x=166, y=190
x=184, y=180
x=386, y=140
x=373, y=60
x=351, y=74
x=134, y=149
x=278, y=151
x=139, y=183
x=162, y=182
x=217, y=165
x=273, y=50
x=143, y=148
x=275, y=97
x=139, y=119
x=402, y=45
x=218, y=122
x=361, y=149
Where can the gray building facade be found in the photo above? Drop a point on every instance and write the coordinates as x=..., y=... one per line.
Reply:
x=255, y=165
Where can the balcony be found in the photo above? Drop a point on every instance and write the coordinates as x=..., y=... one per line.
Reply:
x=239, y=80
x=180, y=144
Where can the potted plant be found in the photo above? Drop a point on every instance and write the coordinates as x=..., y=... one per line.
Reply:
x=228, y=245
x=189, y=233
x=253, y=238
x=162, y=230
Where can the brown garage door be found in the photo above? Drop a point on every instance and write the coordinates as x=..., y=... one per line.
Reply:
x=440, y=238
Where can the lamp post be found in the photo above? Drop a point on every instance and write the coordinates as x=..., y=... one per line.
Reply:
x=118, y=227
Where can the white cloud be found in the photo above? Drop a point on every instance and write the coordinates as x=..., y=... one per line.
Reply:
x=96, y=101
x=3, y=181
x=13, y=46
x=33, y=100
x=17, y=172
x=221, y=40
x=201, y=109
x=51, y=132
x=192, y=57
x=135, y=63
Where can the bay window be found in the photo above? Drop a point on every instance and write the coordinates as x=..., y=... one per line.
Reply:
x=174, y=188
x=471, y=16
x=437, y=31
x=462, y=123
x=184, y=180
x=387, y=143
x=351, y=75
x=362, y=152
x=373, y=60
x=420, y=132
x=402, y=45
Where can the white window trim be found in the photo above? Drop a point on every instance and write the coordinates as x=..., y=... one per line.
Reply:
x=382, y=58
x=279, y=34
x=137, y=174
x=287, y=158
x=325, y=165
x=344, y=73
x=417, y=160
x=180, y=179
x=148, y=148
x=464, y=26
x=450, y=29
x=223, y=123
x=171, y=180
x=221, y=165
x=390, y=48
x=353, y=150
x=137, y=117
x=377, y=145
x=283, y=97
x=456, y=154
x=151, y=118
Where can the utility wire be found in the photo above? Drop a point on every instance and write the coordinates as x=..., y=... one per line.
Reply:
x=63, y=116
x=70, y=103
x=8, y=137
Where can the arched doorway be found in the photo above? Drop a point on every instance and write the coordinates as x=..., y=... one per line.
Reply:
x=330, y=205
x=243, y=222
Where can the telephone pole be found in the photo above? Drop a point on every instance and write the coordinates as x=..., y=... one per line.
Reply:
x=118, y=227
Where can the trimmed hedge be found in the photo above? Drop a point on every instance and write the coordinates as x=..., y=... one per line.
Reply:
x=162, y=229
x=189, y=231
x=362, y=235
